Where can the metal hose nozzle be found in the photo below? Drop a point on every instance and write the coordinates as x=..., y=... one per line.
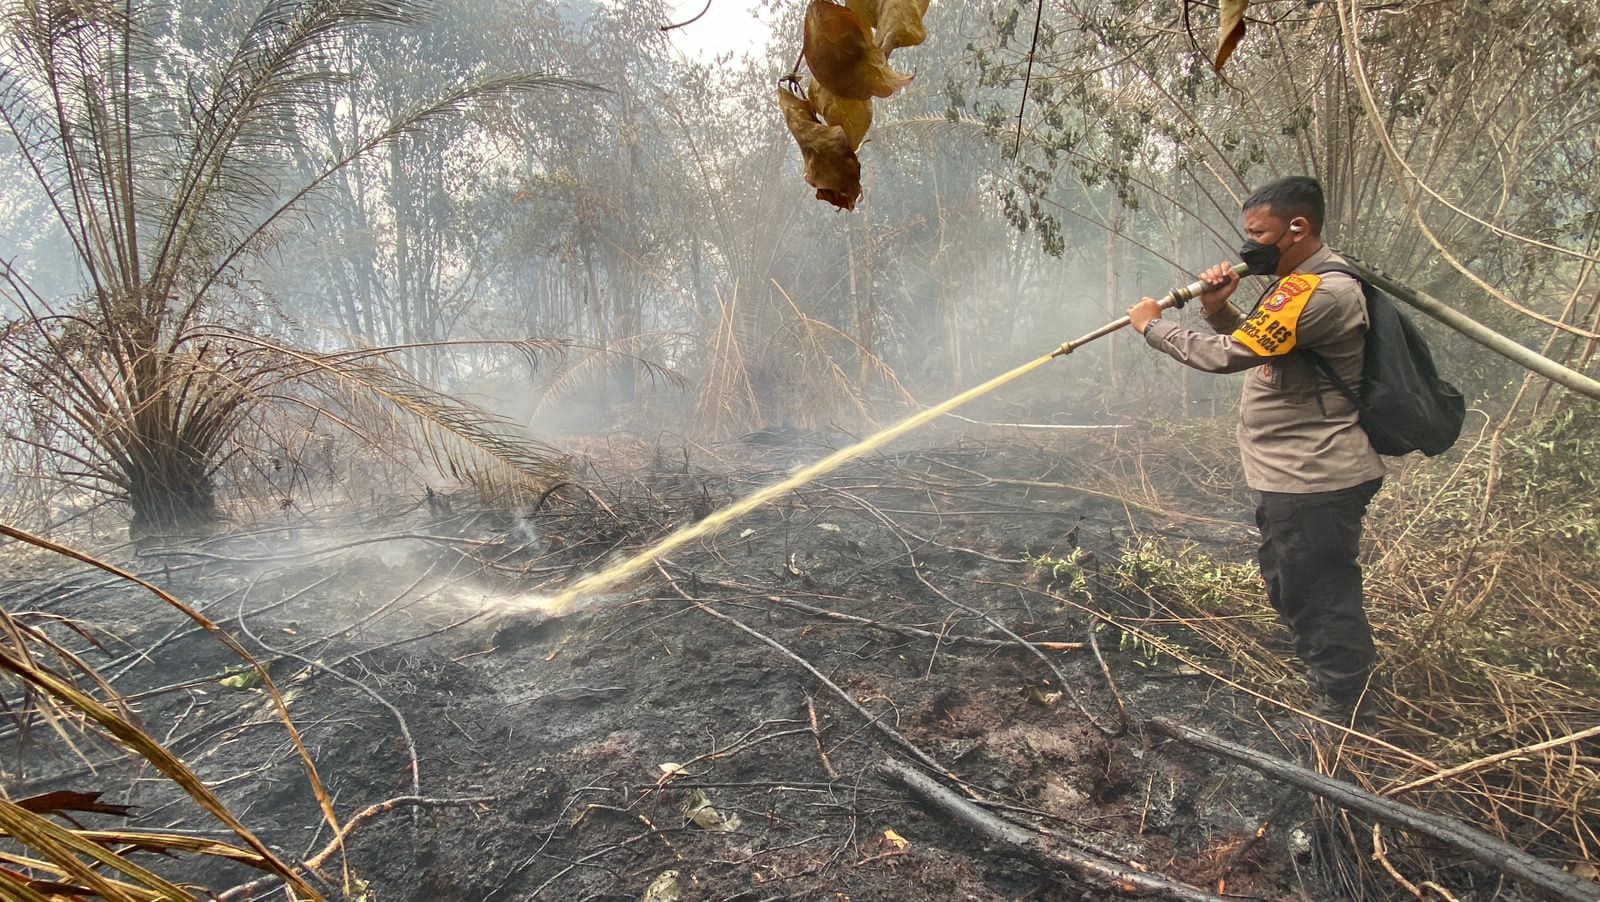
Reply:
x=1177, y=298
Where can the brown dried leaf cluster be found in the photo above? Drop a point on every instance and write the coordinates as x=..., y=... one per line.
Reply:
x=831, y=164
x=842, y=54
x=847, y=48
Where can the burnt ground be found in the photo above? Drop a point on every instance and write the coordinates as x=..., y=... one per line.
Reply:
x=674, y=727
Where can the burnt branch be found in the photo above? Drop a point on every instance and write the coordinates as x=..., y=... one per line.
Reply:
x=1552, y=882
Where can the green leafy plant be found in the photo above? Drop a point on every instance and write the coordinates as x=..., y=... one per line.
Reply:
x=1066, y=573
x=1203, y=581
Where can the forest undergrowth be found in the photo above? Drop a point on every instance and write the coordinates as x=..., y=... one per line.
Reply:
x=1482, y=580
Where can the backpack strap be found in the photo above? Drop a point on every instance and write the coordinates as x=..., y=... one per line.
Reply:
x=1322, y=362
x=1327, y=370
x=1326, y=268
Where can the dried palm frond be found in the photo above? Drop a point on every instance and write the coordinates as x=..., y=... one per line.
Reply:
x=28, y=643
x=82, y=857
x=69, y=856
x=726, y=403
x=585, y=362
x=467, y=442
x=793, y=376
x=818, y=346
x=463, y=440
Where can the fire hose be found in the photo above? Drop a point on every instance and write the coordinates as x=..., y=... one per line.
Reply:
x=1478, y=332
x=1418, y=300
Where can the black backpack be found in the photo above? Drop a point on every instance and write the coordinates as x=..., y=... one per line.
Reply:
x=1404, y=404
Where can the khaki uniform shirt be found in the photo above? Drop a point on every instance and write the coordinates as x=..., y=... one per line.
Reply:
x=1297, y=432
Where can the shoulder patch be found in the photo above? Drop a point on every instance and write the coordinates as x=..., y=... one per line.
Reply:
x=1270, y=330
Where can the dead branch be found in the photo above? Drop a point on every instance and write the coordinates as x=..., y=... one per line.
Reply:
x=1111, y=681
x=1488, y=760
x=816, y=733
x=1014, y=840
x=1551, y=881
x=1415, y=889
x=1062, y=682
x=399, y=718
x=916, y=570
x=1084, y=490
x=749, y=740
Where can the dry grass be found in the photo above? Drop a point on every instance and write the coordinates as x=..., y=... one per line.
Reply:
x=1483, y=584
x=793, y=375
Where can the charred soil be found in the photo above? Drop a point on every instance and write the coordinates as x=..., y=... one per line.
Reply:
x=716, y=731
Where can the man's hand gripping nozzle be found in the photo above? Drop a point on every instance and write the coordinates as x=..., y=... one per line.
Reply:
x=1177, y=298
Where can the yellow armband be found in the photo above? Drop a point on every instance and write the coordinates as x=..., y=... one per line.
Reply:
x=1270, y=330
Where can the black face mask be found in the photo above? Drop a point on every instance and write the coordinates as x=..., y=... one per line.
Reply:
x=1261, y=258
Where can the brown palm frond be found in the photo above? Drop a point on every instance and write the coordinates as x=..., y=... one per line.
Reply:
x=18, y=886
x=63, y=846
x=80, y=860
x=464, y=441
x=33, y=648
x=727, y=403
x=110, y=849
x=816, y=337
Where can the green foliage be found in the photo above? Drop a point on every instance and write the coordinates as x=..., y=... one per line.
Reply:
x=1556, y=483
x=1065, y=574
x=1147, y=651
x=1199, y=579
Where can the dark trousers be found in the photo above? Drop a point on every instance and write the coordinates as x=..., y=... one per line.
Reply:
x=1309, y=548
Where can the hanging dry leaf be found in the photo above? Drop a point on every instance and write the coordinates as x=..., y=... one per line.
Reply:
x=900, y=24
x=854, y=116
x=831, y=165
x=1232, y=30
x=839, y=49
x=865, y=10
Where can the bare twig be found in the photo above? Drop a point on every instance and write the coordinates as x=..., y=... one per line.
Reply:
x=249, y=890
x=1111, y=681
x=689, y=21
x=904, y=630
x=816, y=733
x=1027, y=76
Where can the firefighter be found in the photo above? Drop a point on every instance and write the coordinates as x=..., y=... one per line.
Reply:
x=1300, y=440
